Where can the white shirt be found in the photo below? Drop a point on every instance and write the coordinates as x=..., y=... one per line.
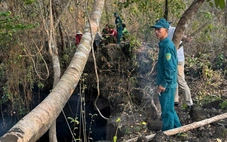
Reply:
x=180, y=51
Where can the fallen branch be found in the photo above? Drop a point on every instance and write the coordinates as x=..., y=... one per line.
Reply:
x=186, y=127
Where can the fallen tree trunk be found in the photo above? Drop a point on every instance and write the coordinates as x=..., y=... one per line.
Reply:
x=186, y=127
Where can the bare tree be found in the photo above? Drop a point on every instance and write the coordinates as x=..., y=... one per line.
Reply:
x=53, y=49
x=56, y=66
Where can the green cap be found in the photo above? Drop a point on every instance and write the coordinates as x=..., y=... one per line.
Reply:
x=161, y=23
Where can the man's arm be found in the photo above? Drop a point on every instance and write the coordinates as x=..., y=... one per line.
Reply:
x=170, y=67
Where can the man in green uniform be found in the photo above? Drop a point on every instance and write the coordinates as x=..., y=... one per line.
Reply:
x=118, y=23
x=167, y=75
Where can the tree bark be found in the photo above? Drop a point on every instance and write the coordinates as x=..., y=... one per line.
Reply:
x=56, y=67
x=166, y=10
x=185, y=20
x=186, y=127
x=32, y=126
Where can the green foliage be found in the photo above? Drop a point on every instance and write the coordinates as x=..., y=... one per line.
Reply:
x=10, y=25
x=134, y=81
x=65, y=59
x=16, y=69
x=126, y=4
x=5, y=14
x=92, y=120
x=134, y=42
x=115, y=139
x=118, y=126
x=219, y=60
x=2, y=72
x=202, y=67
x=23, y=111
x=205, y=35
x=217, y=3
x=206, y=15
x=28, y=1
x=176, y=7
x=223, y=104
x=6, y=96
x=205, y=99
x=74, y=120
x=40, y=85
x=9, y=22
x=207, y=72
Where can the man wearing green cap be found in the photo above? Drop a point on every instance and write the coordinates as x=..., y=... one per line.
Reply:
x=167, y=75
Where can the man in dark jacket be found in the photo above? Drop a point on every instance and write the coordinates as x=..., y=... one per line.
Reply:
x=118, y=23
x=167, y=75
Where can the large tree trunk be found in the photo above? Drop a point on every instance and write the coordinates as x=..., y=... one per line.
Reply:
x=185, y=20
x=31, y=127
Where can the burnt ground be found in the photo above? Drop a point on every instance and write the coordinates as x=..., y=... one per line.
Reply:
x=126, y=82
x=212, y=132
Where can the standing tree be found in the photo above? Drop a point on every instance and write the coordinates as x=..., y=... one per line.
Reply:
x=56, y=66
x=187, y=17
x=53, y=50
x=185, y=20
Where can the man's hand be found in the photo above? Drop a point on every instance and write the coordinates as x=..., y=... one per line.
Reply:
x=160, y=89
x=187, y=38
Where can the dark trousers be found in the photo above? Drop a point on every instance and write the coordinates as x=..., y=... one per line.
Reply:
x=169, y=116
x=119, y=34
